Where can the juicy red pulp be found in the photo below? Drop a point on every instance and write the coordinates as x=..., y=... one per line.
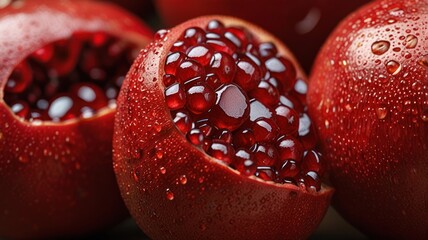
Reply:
x=240, y=101
x=69, y=78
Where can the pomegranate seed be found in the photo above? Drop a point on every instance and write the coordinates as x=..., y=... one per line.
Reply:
x=205, y=126
x=20, y=108
x=193, y=36
x=89, y=95
x=265, y=154
x=287, y=120
x=265, y=173
x=201, y=53
x=43, y=54
x=183, y=121
x=243, y=162
x=267, y=93
x=240, y=33
x=312, y=181
x=189, y=69
x=173, y=60
x=259, y=110
x=231, y=108
x=196, y=137
x=20, y=79
x=283, y=70
x=213, y=81
x=265, y=130
x=220, y=44
x=244, y=138
x=62, y=108
x=215, y=26
x=248, y=74
x=200, y=98
x=289, y=148
x=175, y=96
x=223, y=65
x=267, y=50
x=312, y=162
x=221, y=150
x=225, y=135
x=288, y=170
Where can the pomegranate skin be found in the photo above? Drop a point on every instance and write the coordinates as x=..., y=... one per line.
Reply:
x=301, y=25
x=56, y=179
x=176, y=191
x=368, y=96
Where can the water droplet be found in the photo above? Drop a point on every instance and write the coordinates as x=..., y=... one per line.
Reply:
x=380, y=47
x=23, y=159
x=159, y=154
x=424, y=115
x=381, y=112
x=162, y=170
x=391, y=21
x=423, y=61
x=183, y=179
x=326, y=124
x=157, y=127
x=393, y=67
x=201, y=180
x=411, y=41
x=348, y=107
x=396, y=49
x=169, y=194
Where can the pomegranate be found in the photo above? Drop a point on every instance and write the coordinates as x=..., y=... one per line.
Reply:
x=62, y=64
x=212, y=139
x=369, y=98
x=302, y=25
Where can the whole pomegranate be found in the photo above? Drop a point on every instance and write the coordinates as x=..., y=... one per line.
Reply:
x=212, y=139
x=368, y=96
x=61, y=67
x=302, y=25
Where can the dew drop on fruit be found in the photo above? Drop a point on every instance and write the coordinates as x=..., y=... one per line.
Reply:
x=411, y=41
x=380, y=47
x=183, y=179
x=393, y=67
x=162, y=170
x=424, y=115
x=381, y=112
x=23, y=159
x=423, y=61
x=169, y=194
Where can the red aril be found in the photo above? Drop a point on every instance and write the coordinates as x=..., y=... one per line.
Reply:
x=222, y=136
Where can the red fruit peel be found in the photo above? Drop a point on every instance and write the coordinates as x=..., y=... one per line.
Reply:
x=369, y=98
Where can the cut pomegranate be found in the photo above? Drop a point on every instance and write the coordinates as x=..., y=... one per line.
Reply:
x=62, y=64
x=70, y=85
x=200, y=102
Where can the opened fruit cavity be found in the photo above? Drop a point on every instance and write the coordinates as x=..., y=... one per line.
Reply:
x=69, y=78
x=239, y=100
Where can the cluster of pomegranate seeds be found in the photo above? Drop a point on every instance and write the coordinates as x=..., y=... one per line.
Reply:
x=69, y=78
x=241, y=102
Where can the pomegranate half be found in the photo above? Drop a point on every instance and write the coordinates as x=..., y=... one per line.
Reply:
x=212, y=140
x=56, y=176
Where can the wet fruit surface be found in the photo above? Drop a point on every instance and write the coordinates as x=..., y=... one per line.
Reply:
x=368, y=96
x=198, y=152
x=58, y=82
